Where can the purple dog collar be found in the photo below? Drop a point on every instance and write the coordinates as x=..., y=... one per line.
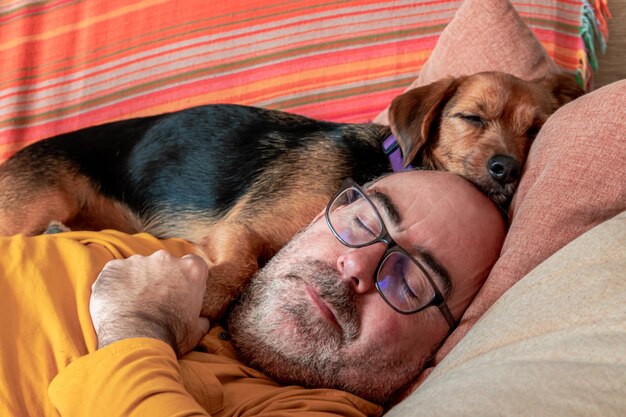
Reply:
x=393, y=151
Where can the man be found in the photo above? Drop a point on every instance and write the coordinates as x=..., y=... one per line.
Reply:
x=325, y=313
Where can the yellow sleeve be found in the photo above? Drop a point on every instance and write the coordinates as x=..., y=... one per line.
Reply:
x=132, y=377
x=45, y=286
x=142, y=377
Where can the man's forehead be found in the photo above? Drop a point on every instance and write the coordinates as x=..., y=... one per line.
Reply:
x=391, y=203
x=400, y=185
x=401, y=194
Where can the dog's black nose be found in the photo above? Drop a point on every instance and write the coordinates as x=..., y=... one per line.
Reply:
x=504, y=169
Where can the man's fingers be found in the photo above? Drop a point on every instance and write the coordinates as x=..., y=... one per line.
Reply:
x=203, y=324
x=163, y=254
x=197, y=272
x=195, y=267
x=199, y=328
x=160, y=285
x=202, y=328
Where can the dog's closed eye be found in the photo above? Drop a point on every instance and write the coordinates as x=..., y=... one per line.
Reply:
x=471, y=118
x=532, y=132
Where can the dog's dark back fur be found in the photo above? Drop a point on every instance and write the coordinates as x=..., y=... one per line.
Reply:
x=239, y=144
x=202, y=161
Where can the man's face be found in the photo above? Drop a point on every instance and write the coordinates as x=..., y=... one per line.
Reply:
x=312, y=316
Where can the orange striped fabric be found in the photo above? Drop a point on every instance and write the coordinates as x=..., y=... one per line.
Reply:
x=68, y=64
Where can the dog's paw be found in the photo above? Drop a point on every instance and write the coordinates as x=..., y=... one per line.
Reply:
x=56, y=227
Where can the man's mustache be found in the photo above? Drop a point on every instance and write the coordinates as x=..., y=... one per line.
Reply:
x=334, y=291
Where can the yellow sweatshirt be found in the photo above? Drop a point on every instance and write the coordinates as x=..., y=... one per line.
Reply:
x=49, y=365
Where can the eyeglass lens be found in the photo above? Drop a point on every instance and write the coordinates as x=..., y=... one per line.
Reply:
x=353, y=218
x=403, y=283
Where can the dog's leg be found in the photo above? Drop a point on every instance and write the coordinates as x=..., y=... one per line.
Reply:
x=233, y=251
x=29, y=211
x=34, y=193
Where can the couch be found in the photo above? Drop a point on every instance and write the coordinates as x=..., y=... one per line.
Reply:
x=546, y=336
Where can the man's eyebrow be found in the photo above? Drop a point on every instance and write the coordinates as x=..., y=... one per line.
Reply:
x=382, y=201
x=441, y=273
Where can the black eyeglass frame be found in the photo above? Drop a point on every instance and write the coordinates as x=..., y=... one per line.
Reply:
x=438, y=299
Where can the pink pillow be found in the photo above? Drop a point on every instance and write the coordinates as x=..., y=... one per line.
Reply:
x=484, y=35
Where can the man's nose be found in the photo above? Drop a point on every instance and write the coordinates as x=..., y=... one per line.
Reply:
x=358, y=266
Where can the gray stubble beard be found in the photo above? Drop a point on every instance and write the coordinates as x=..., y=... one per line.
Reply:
x=312, y=353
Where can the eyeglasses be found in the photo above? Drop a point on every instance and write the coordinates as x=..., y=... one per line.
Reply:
x=401, y=280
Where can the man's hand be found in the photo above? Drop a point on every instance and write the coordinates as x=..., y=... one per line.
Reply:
x=158, y=296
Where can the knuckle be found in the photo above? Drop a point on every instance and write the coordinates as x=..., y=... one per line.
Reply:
x=196, y=267
x=162, y=253
x=112, y=264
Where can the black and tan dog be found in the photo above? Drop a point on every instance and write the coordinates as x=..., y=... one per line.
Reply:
x=240, y=181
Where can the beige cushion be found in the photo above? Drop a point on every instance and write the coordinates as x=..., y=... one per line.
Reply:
x=553, y=345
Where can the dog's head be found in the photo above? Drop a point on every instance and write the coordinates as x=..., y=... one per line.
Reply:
x=479, y=126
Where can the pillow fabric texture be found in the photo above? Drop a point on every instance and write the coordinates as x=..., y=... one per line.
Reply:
x=552, y=346
x=72, y=64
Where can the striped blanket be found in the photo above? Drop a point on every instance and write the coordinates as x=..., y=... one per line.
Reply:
x=68, y=64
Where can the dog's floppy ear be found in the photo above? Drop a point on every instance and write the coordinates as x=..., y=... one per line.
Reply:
x=562, y=86
x=412, y=114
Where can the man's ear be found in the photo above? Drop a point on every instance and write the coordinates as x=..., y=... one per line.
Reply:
x=412, y=114
x=562, y=86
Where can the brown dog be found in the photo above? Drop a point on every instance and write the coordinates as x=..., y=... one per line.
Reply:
x=240, y=181
x=480, y=127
